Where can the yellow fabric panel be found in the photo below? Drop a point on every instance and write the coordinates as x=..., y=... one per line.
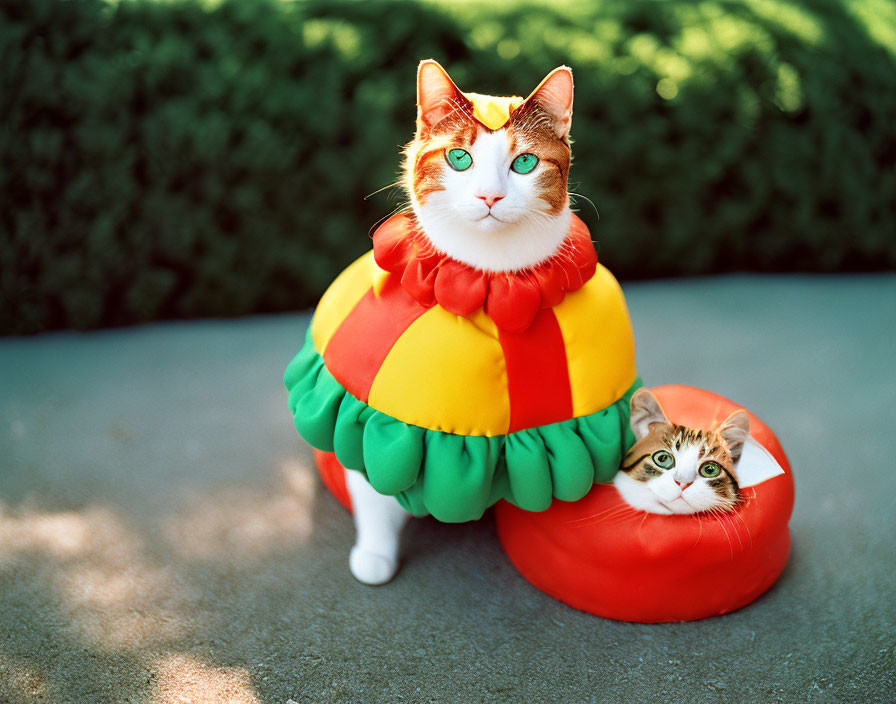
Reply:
x=446, y=373
x=343, y=295
x=600, y=346
x=492, y=111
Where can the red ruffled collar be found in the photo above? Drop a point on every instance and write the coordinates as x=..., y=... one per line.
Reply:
x=511, y=299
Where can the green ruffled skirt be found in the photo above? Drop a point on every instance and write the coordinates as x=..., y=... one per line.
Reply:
x=452, y=477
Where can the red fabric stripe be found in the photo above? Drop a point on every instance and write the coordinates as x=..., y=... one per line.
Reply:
x=537, y=375
x=359, y=346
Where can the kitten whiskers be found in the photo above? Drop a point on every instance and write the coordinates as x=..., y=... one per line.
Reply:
x=614, y=513
x=714, y=514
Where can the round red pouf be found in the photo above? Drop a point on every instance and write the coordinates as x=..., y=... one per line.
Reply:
x=602, y=556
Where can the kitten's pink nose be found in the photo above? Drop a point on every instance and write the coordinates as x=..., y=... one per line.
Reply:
x=490, y=198
x=683, y=485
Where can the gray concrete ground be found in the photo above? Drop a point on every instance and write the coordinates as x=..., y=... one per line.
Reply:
x=163, y=537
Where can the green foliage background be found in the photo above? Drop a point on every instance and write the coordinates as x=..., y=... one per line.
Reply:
x=187, y=158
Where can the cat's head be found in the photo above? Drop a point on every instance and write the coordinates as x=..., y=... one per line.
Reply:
x=487, y=177
x=675, y=469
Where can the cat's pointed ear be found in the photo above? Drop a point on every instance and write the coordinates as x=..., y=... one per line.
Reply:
x=735, y=430
x=437, y=96
x=646, y=411
x=554, y=95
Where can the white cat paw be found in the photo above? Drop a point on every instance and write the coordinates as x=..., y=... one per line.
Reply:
x=370, y=567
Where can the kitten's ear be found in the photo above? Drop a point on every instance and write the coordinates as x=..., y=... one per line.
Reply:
x=735, y=430
x=646, y=411
x=554, y=94
x=437, y=96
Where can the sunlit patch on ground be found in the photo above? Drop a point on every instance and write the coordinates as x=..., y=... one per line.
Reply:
x=245, y=524
x=186, y=679
x=103, y=571
x=114, y=596
x=104, y=575
x=61, y=535
x=118, y=606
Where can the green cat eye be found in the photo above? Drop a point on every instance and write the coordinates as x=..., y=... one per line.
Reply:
x=459, y=159
x=709, y=470
x=524, y=163
x=664, y=459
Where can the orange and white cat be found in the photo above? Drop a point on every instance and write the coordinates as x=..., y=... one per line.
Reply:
x=495, y=199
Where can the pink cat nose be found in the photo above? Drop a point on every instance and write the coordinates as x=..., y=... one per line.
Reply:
x=683, y=485
x=490, y=198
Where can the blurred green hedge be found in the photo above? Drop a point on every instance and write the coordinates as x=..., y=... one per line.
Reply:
x=187, y=158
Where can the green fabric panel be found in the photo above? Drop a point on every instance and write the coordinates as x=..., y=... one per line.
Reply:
x=455, y=477
x=393, y=453
x=348, y=435
x=411, y=501
x=314, y=396
x=301, y=373
x=317, y=409
x=528, y=477
x=601, y=433
x=570, y=465
x=500, y=486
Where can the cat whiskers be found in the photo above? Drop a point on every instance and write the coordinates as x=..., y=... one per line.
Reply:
x=736, y=514
x=395, y=184
x=641, y=524
x=714, y=513
x=401, y=207
x=699, y=525
x=588, y=200
x=538, y=217
x=535, y=218
x=623, y=511
x=725, y=519
x=563, y=253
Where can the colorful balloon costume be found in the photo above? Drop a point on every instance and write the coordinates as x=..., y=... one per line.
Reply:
x=452, y=388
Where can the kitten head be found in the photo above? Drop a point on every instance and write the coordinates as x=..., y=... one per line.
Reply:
x=487, y=176
x=675, y=469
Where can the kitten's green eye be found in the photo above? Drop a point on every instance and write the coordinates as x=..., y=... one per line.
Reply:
x=664, y=459
x=459, y=159
x=709, y=470
x=524, y=163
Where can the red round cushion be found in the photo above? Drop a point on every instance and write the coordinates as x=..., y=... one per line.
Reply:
x=602, y=556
